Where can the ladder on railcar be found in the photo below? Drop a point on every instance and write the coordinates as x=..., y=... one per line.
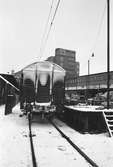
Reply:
x=108, y=116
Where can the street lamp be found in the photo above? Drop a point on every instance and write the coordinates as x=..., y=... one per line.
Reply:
x=88, y=79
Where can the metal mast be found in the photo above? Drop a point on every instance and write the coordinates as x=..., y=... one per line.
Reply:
x=108, y=51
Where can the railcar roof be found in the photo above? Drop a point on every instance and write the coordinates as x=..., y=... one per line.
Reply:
x=43, y=65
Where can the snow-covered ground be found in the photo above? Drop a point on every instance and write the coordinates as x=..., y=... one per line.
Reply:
x=14, y=145
x=99, y=147
x=51, y=150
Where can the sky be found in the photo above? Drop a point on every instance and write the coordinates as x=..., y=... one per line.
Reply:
x=79, y=25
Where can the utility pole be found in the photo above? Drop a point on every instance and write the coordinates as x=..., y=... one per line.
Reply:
x=88, y=79
x=108, y=51
x=88, y=67
x=87, y=82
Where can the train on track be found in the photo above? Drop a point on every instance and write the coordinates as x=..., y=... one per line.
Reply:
x=42, y=87
x=39, y=87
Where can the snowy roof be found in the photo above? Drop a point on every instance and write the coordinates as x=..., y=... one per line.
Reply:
x=44, y=66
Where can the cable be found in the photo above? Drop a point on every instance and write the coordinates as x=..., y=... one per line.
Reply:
x=97, y=35
x=55, y=12
x=46, y=25
x=50, y=28
x=100, y=26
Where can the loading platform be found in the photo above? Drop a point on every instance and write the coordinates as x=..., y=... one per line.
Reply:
x=89, y=118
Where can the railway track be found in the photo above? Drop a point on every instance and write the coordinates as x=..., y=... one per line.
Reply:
x=34, y=162
x=31, y=142
x=88, y=159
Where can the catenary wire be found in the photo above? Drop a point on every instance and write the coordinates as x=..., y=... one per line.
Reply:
x=46, y=39
x=46, y=26
x=99, y=27
x=98, y=33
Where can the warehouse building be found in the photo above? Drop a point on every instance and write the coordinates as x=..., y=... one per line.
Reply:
x=67, y=60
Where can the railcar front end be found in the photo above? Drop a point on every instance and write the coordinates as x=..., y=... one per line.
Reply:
x=42, y=87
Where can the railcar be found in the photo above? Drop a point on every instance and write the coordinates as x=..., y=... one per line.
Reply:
x=42, y=87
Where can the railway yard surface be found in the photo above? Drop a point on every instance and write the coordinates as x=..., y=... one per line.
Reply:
x=51, y=149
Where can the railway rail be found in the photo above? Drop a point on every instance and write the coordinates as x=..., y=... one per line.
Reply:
x=84, y=155
x=88, y=159
x=31, y=142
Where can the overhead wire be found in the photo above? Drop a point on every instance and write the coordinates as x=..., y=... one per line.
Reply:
x=48, y=33
x=98, y=34
x=46, y=26
x=100, y=27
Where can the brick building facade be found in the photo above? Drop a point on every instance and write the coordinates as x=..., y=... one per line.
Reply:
x=67, y=60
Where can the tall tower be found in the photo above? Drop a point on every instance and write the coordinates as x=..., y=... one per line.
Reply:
x=67, y=60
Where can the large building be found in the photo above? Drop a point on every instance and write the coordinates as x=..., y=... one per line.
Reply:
x=67, y=60
x=51, y=59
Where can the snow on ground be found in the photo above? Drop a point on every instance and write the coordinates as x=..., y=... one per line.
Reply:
x=52, y=150
x=15, y=148
x=14, y=145
x=99, y=147
x=90, y=108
